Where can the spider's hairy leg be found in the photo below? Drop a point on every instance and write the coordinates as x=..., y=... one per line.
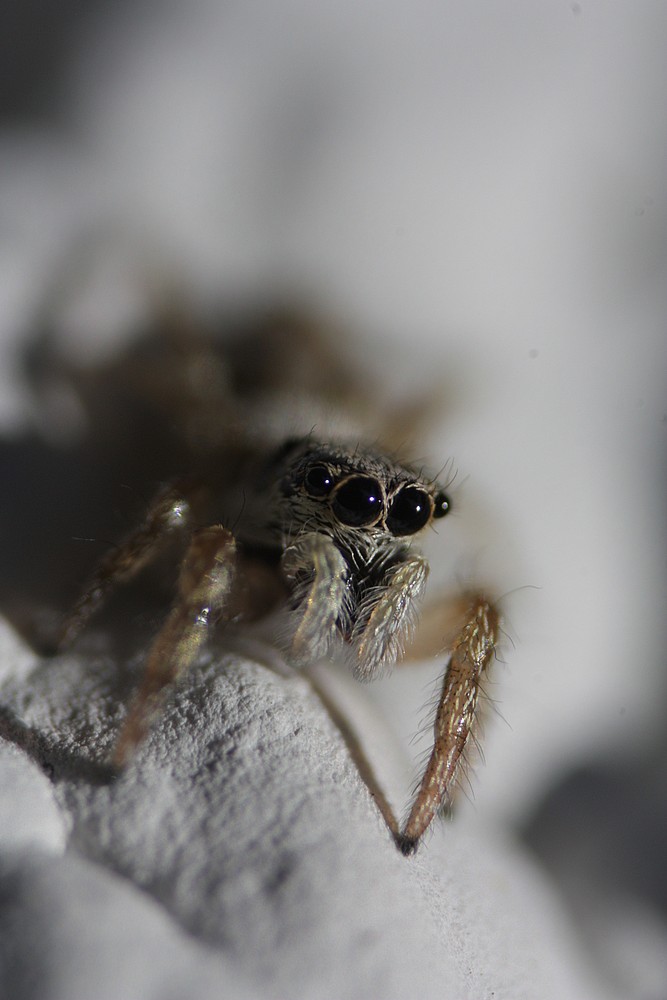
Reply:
x=472, y=652
x=388, y=615
x=168, y=514
x=206, y=579
x=315, y=558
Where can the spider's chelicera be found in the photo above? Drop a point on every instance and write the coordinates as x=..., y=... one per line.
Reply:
x=325, y=541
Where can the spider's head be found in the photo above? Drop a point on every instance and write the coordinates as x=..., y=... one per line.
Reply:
x=349, y=493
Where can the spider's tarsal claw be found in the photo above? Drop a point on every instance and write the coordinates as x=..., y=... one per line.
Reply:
x=406, y=845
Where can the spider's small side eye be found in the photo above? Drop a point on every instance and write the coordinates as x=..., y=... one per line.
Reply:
x=410, y=511
x=358, y=502
x=318, y=481
x=442, y=504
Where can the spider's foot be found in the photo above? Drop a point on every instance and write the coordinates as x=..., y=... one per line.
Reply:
x=406, y=845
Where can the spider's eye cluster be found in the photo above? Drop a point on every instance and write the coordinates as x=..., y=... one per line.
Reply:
x=358, y=501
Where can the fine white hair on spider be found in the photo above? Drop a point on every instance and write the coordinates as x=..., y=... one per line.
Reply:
x=316, y=530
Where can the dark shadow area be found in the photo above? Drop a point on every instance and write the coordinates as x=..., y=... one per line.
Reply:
x=602, y=835
x=607, y=828
x=60, y=509
x=36, y=42
x=62, y=505
x=172, y=403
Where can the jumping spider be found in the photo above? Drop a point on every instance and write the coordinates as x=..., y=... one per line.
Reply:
x=313, y=530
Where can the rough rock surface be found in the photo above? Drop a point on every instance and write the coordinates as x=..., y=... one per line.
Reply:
x=239, y=856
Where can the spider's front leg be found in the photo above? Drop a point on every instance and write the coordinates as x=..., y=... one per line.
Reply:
x=204, y=586
x=471, y=653
x=169, y=514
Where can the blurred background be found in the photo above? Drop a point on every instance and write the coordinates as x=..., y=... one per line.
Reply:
x=479, y=193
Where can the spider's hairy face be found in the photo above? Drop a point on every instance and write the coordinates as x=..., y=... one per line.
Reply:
x=355, y=496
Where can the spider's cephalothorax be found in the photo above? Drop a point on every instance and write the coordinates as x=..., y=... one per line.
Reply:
x=345, y=517
x=318, y=533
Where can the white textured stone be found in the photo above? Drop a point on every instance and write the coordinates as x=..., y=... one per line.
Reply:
x=29, y=813
x=260, y=858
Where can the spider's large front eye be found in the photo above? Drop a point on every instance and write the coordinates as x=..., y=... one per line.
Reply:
x=318, y=481
x=358, y=502
x=410, y=511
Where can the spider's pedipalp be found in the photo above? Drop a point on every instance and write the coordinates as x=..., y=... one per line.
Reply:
x=387, y=617
x=315, y=558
